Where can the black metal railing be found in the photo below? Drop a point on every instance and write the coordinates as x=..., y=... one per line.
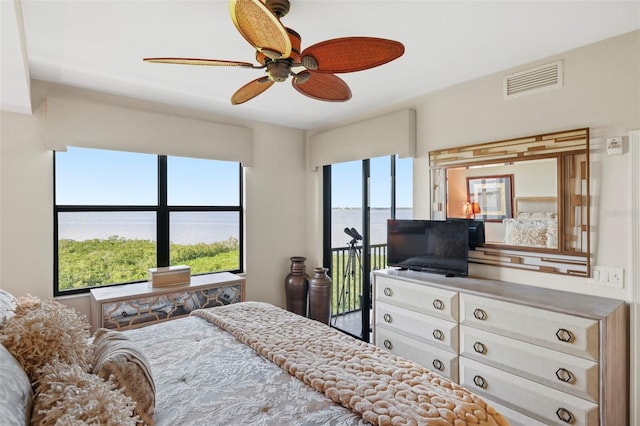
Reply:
x=346, y=275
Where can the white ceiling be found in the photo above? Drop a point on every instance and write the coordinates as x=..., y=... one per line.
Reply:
x=99, y=45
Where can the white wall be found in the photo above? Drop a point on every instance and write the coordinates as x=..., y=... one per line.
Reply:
x=275, y=210
x=26, y=206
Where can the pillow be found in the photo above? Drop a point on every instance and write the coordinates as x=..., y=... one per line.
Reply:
x=44, y=330
x=67, y=395
x=117, y=358
x=8, y=304
x=15, y=392
x=532, y=233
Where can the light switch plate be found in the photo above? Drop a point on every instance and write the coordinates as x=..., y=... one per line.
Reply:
x=609, y=277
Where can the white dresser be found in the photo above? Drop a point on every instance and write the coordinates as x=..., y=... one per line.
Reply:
x=542, y=357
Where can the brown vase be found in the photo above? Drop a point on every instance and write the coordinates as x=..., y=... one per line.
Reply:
x=296, y=287
x=320, y=296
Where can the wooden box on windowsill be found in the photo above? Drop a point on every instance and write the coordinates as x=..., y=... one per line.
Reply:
x=169, y=276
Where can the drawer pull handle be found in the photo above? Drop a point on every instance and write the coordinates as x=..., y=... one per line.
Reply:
x=438, y=365
x=388, y=292
x=387, y=318
x=480, y=382
x=480, y=314
x=438, y=334
x=564, y=375
x=388, y=344
x=480, y=348
x=564, y=415
x=564, y=335
x=438, y=304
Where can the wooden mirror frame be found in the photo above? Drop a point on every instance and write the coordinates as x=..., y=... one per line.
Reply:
x=571, y=149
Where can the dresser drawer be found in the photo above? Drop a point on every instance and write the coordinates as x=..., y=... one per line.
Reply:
x=515, y=418
x=422, y=327
x=533, y=399
x=563, y=332
x=433, y=301
x=562, y=371
x=437, y=360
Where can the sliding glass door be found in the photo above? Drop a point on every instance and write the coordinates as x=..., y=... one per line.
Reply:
x=359, y=197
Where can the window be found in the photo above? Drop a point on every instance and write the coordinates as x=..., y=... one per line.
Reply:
x=117, y=214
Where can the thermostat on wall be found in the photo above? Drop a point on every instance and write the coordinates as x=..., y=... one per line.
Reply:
x=614, y=145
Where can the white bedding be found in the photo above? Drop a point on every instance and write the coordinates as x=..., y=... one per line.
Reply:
x=535, y=223
x=204, y=376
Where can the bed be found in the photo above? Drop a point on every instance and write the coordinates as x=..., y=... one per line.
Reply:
x=535, y=223
x=245, y=363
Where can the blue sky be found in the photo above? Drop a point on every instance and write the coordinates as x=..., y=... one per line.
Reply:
x=90, y=177
x=347, y=183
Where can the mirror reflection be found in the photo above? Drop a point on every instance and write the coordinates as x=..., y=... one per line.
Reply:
x=532, y=194
x=517, y=201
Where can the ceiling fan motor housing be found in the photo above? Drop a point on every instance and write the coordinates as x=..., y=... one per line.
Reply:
x=279, y=70
x=278, y=7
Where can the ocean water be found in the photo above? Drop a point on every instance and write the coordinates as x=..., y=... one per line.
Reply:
x=352, y=218
x=206, y=227
x=185, y=227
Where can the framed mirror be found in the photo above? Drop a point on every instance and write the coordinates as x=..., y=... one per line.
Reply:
x=532, y=194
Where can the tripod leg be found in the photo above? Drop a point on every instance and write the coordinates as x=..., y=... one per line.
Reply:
x=346, y=280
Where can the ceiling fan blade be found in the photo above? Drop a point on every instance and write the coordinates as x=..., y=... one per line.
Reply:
x=350, y=54
x=197, y=61
x=261, y=28
x=324, y=87
x=251, y=90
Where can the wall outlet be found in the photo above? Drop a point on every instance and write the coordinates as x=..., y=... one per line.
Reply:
x=609, y=277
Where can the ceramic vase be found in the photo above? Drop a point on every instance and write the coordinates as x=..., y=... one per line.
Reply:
x=296, y=286
x=320, y=296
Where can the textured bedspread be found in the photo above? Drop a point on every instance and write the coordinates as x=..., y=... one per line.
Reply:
x=206, y=377
x=385, y=389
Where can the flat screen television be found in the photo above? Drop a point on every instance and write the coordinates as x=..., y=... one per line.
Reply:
x=436, y=246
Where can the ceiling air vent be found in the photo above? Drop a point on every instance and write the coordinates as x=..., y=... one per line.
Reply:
x=544, y=77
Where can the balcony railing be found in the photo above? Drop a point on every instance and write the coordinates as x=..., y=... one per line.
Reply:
x=346, y=275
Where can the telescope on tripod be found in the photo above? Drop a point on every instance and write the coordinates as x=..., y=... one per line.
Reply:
x=349, y=280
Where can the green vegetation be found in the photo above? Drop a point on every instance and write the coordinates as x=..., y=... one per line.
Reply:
x=353, y=289
x=98, y=262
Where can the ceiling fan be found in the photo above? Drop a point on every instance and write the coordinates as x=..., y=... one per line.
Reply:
x=278, y=50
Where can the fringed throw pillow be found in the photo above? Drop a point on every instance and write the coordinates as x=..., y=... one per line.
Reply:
x=119, y=359
x=42, y=331
x=67, y=395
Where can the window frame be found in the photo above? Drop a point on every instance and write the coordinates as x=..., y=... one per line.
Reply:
x=163, y=211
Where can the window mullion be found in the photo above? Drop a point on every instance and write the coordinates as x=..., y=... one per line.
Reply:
x=162, y=234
